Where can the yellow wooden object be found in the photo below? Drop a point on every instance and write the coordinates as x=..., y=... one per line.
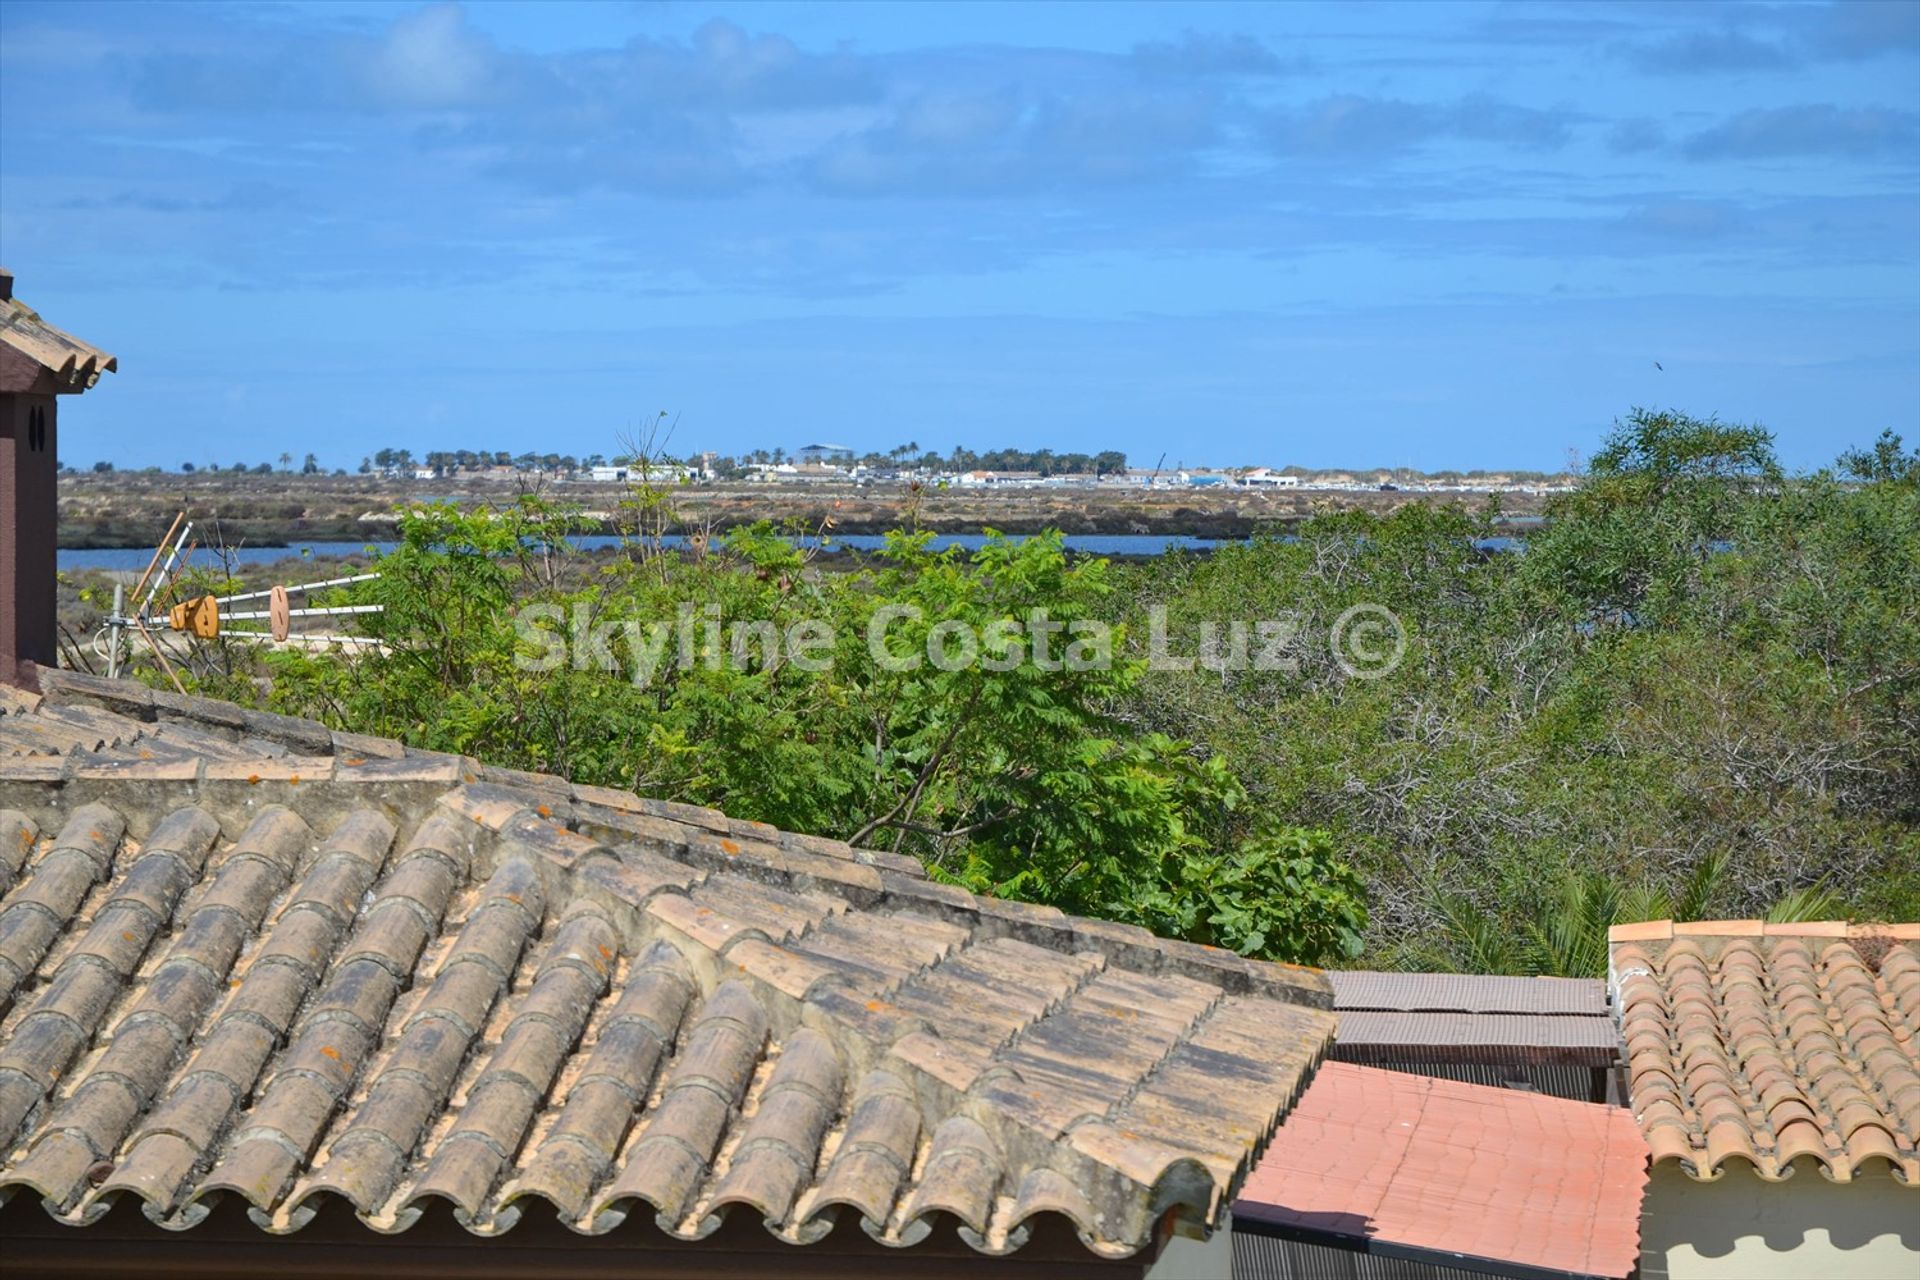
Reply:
x=200, y=615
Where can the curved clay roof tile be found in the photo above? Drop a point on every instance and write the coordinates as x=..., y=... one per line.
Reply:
x=1770, y=1042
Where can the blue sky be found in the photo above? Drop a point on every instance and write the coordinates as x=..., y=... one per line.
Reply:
x=1429, y=234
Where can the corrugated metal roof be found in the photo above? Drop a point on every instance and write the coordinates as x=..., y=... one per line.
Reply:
x=1466, y=993
x=75, y=365
x=1476, y=1037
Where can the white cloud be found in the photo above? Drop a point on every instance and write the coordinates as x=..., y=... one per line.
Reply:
x=432, y=59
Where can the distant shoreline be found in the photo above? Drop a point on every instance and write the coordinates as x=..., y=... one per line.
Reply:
x=131, y=510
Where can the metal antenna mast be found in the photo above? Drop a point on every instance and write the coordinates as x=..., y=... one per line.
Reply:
x=205, y=617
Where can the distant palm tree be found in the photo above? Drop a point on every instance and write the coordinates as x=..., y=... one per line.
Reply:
x=1567, y=937
x=286, y=460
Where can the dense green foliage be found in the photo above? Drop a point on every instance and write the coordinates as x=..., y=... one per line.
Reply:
x=1695, y=691
x=1012, y=773
x=1696, y=665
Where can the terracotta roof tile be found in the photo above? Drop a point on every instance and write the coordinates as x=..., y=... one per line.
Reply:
x=1718, y=928
x=1644, y=931
x=1454, y=1169
x=243, y=958
x=1771, y=1044
x=71, y=364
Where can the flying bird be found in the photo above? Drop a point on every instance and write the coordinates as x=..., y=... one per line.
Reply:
x=1662, y=368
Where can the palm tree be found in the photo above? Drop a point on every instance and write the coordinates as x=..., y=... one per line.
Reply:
x=1567, y=936
x=286, y=460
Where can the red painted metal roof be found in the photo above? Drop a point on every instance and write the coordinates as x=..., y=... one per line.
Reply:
x=1393, y=1162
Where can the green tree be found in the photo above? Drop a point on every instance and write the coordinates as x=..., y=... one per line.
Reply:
x=1700, y=662
x=1885, y=463
x=1661, y=496
x=993, y=755
x=1285, y=894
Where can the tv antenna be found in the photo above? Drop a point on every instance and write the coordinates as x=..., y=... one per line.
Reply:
x=207, y=617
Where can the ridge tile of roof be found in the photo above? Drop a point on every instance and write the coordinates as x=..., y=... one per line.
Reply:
x=245, y=957
x=1767, y=1045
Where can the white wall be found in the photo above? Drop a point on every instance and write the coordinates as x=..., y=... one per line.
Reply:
x=1806, y=1228
x=1189, y=1255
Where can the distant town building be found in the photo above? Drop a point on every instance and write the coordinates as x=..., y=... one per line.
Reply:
x=823, y=453
x=1267, y=478
x=788, y=473
x=971, y=479
x=648, y=473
